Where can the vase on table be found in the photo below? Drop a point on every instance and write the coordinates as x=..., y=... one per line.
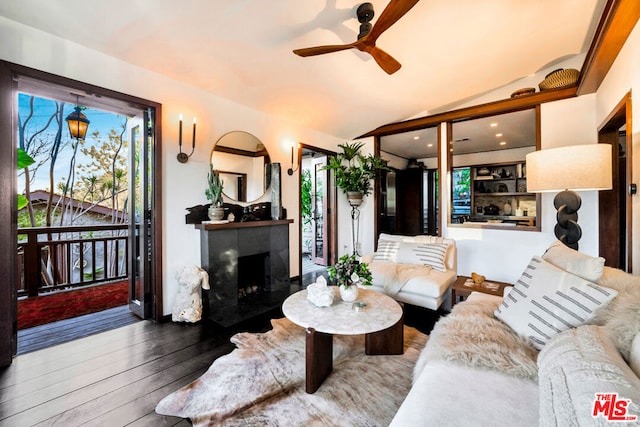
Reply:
x=349, y=293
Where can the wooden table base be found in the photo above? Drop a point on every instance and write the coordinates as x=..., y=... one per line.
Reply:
x=319, y=359
x=319, y=351
x=388, y=341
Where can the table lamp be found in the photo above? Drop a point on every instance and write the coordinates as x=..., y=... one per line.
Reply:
x=567, y=170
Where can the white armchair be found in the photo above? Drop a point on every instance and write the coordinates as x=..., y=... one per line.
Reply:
x=417, y=270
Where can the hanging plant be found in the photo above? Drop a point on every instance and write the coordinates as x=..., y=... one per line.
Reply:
x=353, y=170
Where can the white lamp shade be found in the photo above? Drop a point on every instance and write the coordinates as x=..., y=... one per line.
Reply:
x=575, y=167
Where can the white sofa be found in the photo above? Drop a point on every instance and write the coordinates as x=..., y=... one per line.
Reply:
x=477, y=371
x=417, y=270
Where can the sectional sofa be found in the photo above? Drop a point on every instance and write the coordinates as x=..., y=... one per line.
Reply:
x=562, y=348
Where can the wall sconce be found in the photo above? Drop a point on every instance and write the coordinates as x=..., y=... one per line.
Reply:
x=291, y=170
x=184, y=157
x=564, y=169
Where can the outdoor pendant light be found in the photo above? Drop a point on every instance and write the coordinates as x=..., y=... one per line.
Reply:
x=78, y=123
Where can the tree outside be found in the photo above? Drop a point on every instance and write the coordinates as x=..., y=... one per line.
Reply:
x=85, y=180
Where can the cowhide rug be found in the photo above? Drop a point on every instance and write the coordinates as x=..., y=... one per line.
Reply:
x=261, y=383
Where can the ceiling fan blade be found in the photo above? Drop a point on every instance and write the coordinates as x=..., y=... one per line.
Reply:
x=320, y=50
x=395, y=10
x=387, y=62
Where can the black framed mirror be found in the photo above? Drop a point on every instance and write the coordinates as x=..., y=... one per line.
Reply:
x=244, y=165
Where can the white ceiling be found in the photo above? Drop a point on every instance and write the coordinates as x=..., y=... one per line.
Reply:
x=242, y=50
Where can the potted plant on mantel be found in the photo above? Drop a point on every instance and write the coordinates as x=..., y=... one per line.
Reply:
x=348, y=273
x=214, y=194
x=354, y=171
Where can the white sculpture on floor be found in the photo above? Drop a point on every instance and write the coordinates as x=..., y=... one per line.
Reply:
x=188, y=304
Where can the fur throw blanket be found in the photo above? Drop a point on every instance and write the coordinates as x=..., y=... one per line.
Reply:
x=262, y=382
x=393, y=276
x=472, y=336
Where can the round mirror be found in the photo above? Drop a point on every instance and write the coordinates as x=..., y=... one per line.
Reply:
x=244, y=165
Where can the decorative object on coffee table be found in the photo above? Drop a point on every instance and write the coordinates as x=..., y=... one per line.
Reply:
x=320, y=294
x=348, y=273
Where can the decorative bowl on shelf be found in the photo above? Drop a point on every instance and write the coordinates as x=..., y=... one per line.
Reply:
x=501, y=188
x=484, y=171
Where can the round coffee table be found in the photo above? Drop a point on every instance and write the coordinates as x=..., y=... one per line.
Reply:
x=380, y=320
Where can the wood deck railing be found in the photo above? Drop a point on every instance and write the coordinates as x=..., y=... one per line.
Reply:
x=53, y=258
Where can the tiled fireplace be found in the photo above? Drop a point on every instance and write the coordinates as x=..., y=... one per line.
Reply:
x=248, y=266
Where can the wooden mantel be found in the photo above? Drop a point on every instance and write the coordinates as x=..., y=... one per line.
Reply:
x=230, y=225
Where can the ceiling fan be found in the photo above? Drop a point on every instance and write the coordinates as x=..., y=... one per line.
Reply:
x=366, y=42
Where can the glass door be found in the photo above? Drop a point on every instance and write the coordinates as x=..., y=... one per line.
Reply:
x=140, y=218
x=320, y=246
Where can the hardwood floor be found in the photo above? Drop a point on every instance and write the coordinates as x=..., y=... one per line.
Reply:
x=43, y=336
x=114, y=378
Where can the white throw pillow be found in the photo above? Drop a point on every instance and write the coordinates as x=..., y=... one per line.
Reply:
x=583, y=265
x=431, y=254
x=547, y=300
x=387, y=250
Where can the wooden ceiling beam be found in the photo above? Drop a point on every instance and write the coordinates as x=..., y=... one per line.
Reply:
x=618, y=19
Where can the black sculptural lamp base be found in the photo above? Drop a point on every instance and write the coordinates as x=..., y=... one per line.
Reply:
x=567, y=230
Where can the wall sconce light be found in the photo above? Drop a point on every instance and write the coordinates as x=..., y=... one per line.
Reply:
x=291, y=170
x=78, y=123
x=184, y=157
x=564, y=169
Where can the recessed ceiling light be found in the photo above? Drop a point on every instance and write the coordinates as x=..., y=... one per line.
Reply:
x=416, y=137
x=429, y=145
x=493, y=125
x=503, y=142
x=498, y=135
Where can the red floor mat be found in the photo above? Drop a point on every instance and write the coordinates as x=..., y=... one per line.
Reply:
x=66, y=304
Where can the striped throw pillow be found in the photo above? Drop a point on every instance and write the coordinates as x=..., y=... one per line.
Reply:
x=547, y=300
x=431, y=254
x=387, y=250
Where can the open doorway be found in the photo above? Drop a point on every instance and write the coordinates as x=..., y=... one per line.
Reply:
x=614, y=206
x=317, y=215
x=88, y=221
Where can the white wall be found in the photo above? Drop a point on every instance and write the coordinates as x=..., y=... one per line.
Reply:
x=624, y=77
x=184, y=184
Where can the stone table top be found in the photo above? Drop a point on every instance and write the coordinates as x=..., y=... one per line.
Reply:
x=381, y=312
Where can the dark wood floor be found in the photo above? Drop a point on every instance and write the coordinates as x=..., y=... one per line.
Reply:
x=116, y=378
x=43, y=336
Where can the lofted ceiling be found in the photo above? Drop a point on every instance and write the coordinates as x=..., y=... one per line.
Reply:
x=242, y=50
